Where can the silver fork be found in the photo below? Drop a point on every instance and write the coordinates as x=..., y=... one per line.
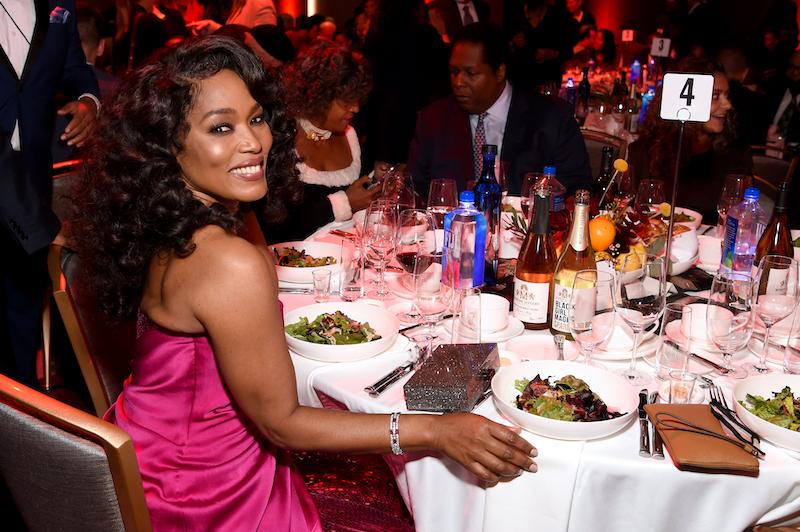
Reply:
x=558, y=339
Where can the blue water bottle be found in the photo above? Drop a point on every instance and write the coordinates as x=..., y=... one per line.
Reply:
x=464, y=244
x=744, y=224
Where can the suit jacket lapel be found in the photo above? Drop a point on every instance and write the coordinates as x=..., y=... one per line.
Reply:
x=39, y=33
x=6, y=62
x=515, y=125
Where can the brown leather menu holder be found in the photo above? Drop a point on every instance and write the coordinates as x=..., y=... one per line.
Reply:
x=696, y=442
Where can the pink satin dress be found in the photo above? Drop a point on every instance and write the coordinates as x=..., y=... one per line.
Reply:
x=203, y=466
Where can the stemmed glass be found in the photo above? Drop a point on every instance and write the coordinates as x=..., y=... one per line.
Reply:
x=651, y=192
x=591, y=319
x=398, y=188
x=380, y=225
x=732, y=193
x=431, y=297
x=774, y=298
x=442, y=198
x=639, y=299
x=416, y=241
x=729, y=316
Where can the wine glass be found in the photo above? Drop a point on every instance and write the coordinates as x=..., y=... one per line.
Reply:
x=650, y=192
x=442, y=198
x=729, y=316
x=416, y=241
x=774, y=298
x=380, y=225
x=431, y=297
x=591, y=319
x=732, y=193
x=398, y=188
x=528, y=186
x=639, y=299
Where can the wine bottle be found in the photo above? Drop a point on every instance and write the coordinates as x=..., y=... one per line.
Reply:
x=776, y=238
x=488, y=196
x=535, y=266
x=604, y=178
x=578, y=255
x=584, y=94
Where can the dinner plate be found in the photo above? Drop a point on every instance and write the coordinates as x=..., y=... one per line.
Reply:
x=383, y=321
x=694, y=224
x=620, y=345
x=611, y=388
x=674, y=332
x=765, y=385
x=514, y=328
x=540, y=347
x=288, y=274
x=709, y=268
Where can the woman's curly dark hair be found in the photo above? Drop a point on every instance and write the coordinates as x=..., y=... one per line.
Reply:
x=132, y=202
x=322, y=73
x=664, y=133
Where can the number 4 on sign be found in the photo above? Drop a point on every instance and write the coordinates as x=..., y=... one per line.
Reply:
x=687, y=97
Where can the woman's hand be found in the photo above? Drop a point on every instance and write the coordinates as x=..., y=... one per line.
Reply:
x=487, y=449
x=359, y=196
x=203, y=27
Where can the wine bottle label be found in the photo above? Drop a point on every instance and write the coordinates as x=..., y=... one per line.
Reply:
x=577, y=238
x=530, y=301
x=562, y=297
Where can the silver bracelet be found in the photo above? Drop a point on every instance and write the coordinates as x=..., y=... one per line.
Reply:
x=394, y=433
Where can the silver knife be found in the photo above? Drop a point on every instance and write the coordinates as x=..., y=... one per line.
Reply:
x=658, y=447
x=710, y=363
x=403, y=330
x=380, y=386
x=644, y=429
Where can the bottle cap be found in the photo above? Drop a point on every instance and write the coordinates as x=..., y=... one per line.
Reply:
x=466, y=196
x=550, y=170
x=489, y=148
x=752, y=193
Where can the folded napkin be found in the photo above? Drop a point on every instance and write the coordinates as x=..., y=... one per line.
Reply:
x=696, y=442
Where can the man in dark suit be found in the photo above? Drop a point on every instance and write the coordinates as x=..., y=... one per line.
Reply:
x=40, y=54
x=450, y=16
x=531, y=130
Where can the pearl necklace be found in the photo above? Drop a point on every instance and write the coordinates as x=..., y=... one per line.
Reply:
x=313, y=133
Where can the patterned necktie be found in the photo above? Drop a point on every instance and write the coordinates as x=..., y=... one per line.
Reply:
x=477, y=146
x=467, y=15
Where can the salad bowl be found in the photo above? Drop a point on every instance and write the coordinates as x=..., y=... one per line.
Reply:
x=611, y=389
x=383, y=322
x=765, y=385
x=303, y=275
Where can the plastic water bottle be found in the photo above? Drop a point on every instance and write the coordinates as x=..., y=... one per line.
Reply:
x=744, y=224
x=464, y=244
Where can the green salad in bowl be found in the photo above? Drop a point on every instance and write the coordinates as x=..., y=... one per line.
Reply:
x=782, y=410
x=334, y=328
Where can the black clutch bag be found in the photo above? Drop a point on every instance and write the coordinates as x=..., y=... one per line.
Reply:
x=453, y=378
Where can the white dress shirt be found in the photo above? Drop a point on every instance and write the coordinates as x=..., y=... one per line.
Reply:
x=470, y=7
x=15, y=44
x=494, y=124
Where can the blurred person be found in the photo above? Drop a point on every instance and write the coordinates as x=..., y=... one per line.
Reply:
x=400, y=44
x=450, y=16
x=784, y=108
x=150, y=26
x=530, y=130
x=159, y=232
x=604, y=49
x=285, y=21
x=751, y=120
x=541, y=48
x=583, y=18
x=247, y=13
x=42, y=54
x=710, y=149
x=327, y=30
x=325, y=86
x=90, y=22
x=243, y=35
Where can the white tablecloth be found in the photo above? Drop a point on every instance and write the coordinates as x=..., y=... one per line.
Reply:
x=597, y=485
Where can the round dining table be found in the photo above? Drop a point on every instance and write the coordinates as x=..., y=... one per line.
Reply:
x=598, y=485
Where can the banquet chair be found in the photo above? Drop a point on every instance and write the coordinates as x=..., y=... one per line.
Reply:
x=769, y=171
x=66, y=469
x=595, y=141
x=103, y=348
x=65, y=173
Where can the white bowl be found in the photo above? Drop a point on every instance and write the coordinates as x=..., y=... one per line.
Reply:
x=764, y=385
x=795, y=235
x=694, y=224
x=291, y=274
x=611, y=388
x=383, y=321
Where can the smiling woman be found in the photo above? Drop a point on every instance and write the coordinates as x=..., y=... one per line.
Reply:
x=212, y=402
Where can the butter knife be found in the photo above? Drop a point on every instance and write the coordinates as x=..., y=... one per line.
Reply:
x=658, y=447
x=710, y=363
x=382, y=384
x=644, y=429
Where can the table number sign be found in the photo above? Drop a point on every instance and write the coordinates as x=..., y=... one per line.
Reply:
x=687, y=97
x=660, y=47
x=627, y=35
